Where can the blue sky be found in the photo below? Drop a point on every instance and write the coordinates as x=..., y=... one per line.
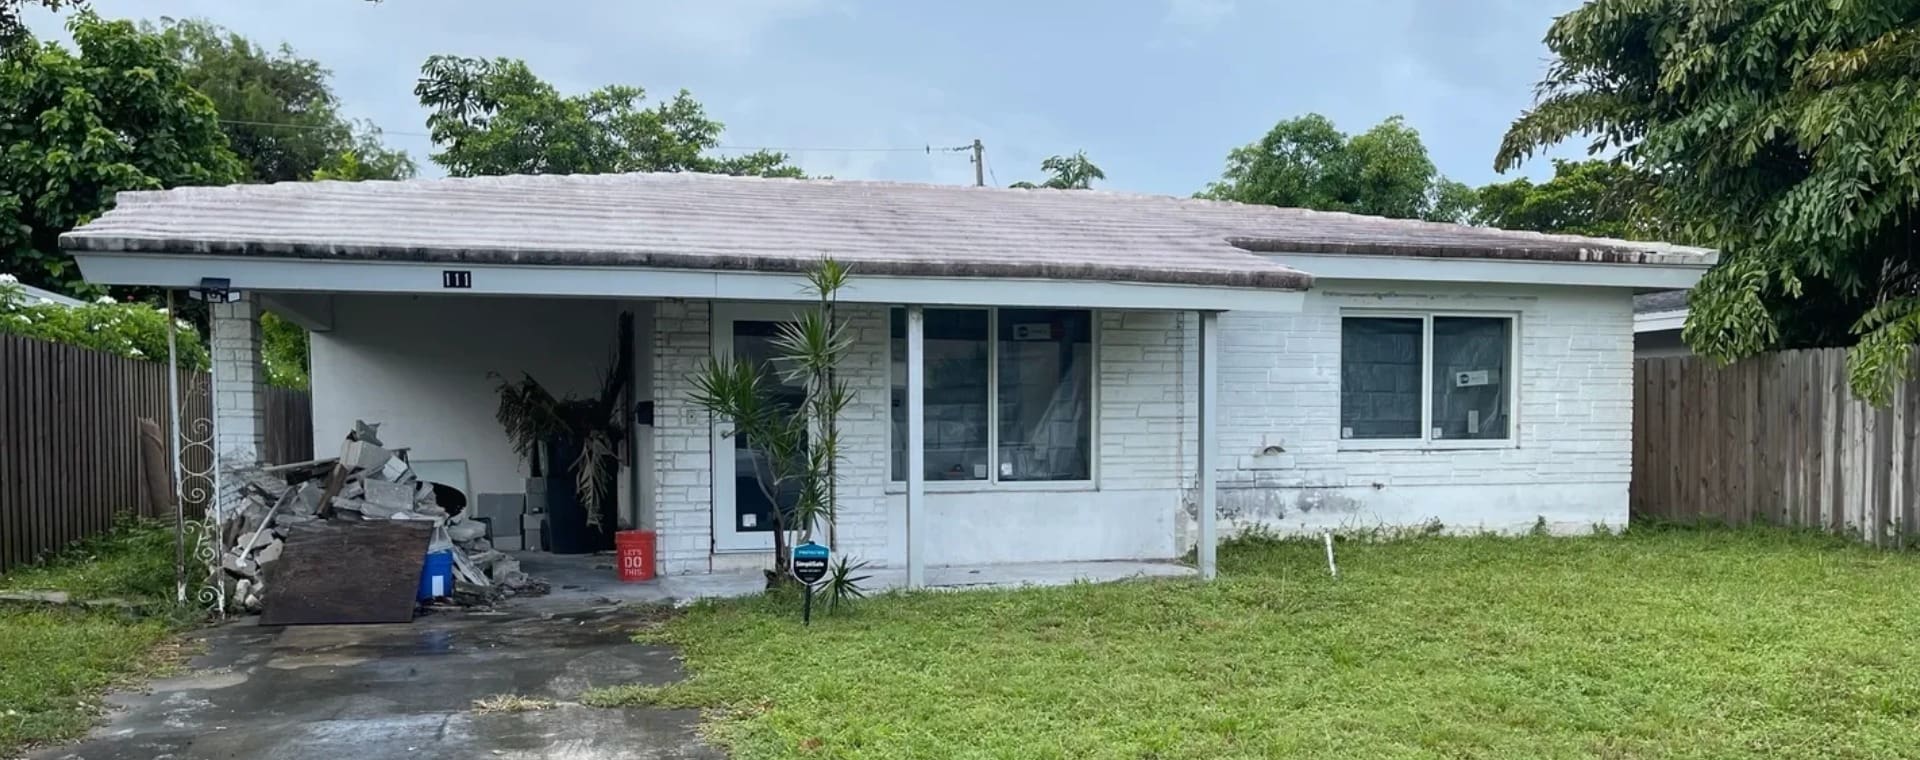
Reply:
x=1156, y=91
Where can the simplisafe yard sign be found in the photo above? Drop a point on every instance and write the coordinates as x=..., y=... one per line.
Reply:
x=809, y=566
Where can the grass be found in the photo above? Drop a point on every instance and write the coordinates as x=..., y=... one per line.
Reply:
x=623, y=695
x=56, y=662
x=1657, y=644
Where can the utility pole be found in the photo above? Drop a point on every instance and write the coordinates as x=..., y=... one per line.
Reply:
x=979, y=164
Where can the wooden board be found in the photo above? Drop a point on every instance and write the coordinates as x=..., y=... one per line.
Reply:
x=347, y=571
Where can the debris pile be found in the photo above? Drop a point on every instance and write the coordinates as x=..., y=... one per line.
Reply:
x=366, y=482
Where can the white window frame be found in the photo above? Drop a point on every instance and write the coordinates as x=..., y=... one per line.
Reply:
x=993, y=481
x=1426, y=441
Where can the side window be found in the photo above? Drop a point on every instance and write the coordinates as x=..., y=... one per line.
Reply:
x=1435, y=377
x=1380, y=370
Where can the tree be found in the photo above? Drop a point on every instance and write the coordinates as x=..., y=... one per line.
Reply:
x=1595, y=197
x=283, y=351
x=277, y=109
x=1782, y=132
x=76, y=128
x=1075, y=172
x=1453, y=201
x=1308, y=163
x=494, y=117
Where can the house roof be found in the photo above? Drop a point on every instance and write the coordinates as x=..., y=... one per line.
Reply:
x=708, y=222
x=1665, y=300
x=40, y=295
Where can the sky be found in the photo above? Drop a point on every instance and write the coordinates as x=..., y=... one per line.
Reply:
x=1155, y=91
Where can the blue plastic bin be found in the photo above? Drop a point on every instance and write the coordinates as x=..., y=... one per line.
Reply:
x=436, y=577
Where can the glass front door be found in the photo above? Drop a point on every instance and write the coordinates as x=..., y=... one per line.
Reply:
x=746, y=487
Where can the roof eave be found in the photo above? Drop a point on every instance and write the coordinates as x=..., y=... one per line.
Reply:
x=1267, y=277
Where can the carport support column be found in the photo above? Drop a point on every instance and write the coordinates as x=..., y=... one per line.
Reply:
x=1208, y=443
x=916, y=443
x=239, y=387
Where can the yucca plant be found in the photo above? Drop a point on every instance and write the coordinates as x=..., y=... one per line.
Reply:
x=801, y=442
x=534, y=418
x=843, y=587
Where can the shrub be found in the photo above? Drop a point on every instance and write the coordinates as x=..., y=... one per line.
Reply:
x=133, y=330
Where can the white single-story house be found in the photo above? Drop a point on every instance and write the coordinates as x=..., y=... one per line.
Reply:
x=1100, y=375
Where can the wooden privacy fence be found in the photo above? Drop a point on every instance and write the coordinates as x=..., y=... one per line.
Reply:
x=1777, y=439
x=289, y=426
x=70, y=448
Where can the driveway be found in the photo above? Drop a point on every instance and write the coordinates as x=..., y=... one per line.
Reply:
x=362, y=692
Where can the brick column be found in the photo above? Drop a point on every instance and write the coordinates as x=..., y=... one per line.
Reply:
x=239, y=403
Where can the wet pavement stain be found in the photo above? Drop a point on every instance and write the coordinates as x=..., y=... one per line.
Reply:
x=405, y=690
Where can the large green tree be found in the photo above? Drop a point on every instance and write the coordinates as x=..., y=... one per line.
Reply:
x=1075, y=172
x=1307, y=162
x=278, y=110
x=1594, y=197
x=78, y=127
x=493, y=116
x=1785, y=133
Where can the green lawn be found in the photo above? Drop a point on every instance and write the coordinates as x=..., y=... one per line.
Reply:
x=1659, y=644
x=56, y=662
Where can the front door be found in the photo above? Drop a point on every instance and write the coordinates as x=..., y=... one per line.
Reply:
x=744, y=492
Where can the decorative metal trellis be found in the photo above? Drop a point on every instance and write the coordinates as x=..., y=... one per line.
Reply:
x=196, y=569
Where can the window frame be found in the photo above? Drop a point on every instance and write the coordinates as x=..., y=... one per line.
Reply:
x=993, y=482
x=1426, y=441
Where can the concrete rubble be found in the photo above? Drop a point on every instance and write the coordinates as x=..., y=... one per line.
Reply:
x=366, y=482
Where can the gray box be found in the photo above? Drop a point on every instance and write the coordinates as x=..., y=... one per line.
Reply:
x=536, y=495
x=503, y=511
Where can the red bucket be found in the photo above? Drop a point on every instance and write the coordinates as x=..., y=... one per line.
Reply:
x=635, y=550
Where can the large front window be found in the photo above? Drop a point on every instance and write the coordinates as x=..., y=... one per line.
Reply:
x=1008, y=395
x=1426, y=377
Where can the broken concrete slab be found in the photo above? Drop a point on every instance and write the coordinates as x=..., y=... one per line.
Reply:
x=361, y=455
x=462, y=531
x=268, y=553
x=239, y=567
x=397, y=497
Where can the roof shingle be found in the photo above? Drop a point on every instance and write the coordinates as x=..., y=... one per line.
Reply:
x=752, y=224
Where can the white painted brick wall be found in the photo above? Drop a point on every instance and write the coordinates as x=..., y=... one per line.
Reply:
x=1283, y=465
x=682, y=438
x=1280, y=381
x=239, y=403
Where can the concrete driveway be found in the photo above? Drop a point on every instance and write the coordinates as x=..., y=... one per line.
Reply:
x=362, y=692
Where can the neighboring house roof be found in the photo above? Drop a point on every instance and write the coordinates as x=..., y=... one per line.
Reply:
x=1665, y=300
x=47, y=296
x=710, y=222
x=1661, y=311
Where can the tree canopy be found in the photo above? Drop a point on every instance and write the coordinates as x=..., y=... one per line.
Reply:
x=1785, y=133
x=277, y=109
x=1593, y=197
x=493, y=116
x=1075, y=172
x=1307, y=162
x=77, y=127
